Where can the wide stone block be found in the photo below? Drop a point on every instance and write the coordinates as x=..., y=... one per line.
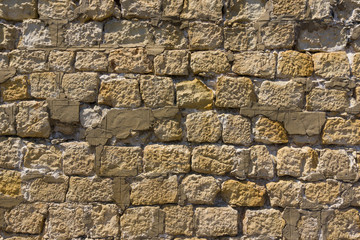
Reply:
x=293, y=9
x=57, y=10
x=82, y=34
x=44, y=85
x=284, y=193
x=244, y=10
x=17, y=10
x=140, y=9
x=61, y=61
x=331, y=65
x=205, y=36
x=44, y=157
x=242, y=37
x=47, y=189
x=169, y=36
x=16, y=88
x=64, y=110
x=209, y=62
x=327, y=100
x=82, y=86
x=294, y=64
x=36, y=33
x=203, y=127
x=278, y=35
x=172, y=62
x=91, y=61
x=91, y=190
x=26, y=61
x=204, y=10
x=339, y=131
x=130, y=60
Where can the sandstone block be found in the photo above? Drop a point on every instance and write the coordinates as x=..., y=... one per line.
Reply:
x=44, y=157
x=236, y=129
x=154, y=191
x=7, y=119
x=244, y=194
x=242, y=37
x=192, y=189
x=47, y=189
x=284, y=193
x=169, y=35
x=90, y=190
x=120, y=161
x=194, y=94
x=98, y=10
x=278, y=35
x=32, y=119
x=83, y=34
x=106, y=216
x=12, y=150
x=157, y=91
x=203, y=127
x=244, y=10
x=320, y=9
x=204, y=10
x=331, y=65
x=120, y=92
x=91, y=61
x=140, y=9
x=10, y=184
x=266, y=222
x=216, y=221
x=327, y=100
x=294, y=64
x=257, y=64
x=344, y=225
x=209, y=62
x=168, y=130
x=26, y=61
x=8, y=36
x=17, y=11
x=205, y=36
x=293, y=9
x=15, y=88
x=322, y=193
x=172, y=62
x=57, y=10
x=261, y=163
x=234, y=92
x=64, y=110
x=269, y=132
x=78, y=158
x=341, y=132
x=127, y=60
x=82, y=87
x=44, y=85
x=35, y=33
x=355, y=67
x=61, y=61
x=179, y=220
x=172, y=8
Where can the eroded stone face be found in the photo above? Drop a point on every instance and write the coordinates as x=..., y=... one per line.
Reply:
x=47, y=189
x=236, y=129
x=327, y=100
x=84, y=189
x=284, y=193
x=268, y=131
x=257, y=64
x=242, y=37
x=341, y=132
x=91, y=61
x=209, y=62
x=78, y=158
x=127, y=60
x=82, y=87
x=44, y=85
x=205, y=10
x=244, y=10
x=194, y=94
x=294, y=64
x=261, y=163
x=168, y=130
x=83, y=34
x=205, y=36
x=26, y=61
x=266, y=222
x=57, y=9
x=179, y=220
x=157, y=91
x=330, y=65
x=203, y=127
x=7, y=119
x=19, y=10
x=172, y=62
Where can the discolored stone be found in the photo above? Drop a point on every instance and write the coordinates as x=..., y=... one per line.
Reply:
x=130, y=60
x=140, y=9
x=8, y=35
x=244, y=10
x=35, y=33
x=327, y=100
x=355, y=67
x=12, y=150
x=44, y=85
x=179, y=220
x=294, y=9
x=98, y=10
x=209, y=62
x=204, y=10
x=320, y=9
x=171, y=8
x=172, y=62
x=78, y=158
x=284, y=193
x=331, y=65
x=169, y=35
x=203, y=127
x=257, y=64
x=168, y=130
x=91, y=61
x=61, y=60
x=10, y=183
x=242, y=37
x=57, y=10
x=236, y=129
x=194, y=94
x=82, y=34
x=269, y=132
x=278, y=35
x=95, y=189
x=265, y=222
x=7, y=119
x=341, y=132
x=205, y=36
x=26, y=61
x=47, y=189
x=261, y=163
x=44, y=157
x=17, y=11
x=294, y=64
x=344, y=225
x=157, y=91
x=64, y=110
x=82, y=87
x=16, y=88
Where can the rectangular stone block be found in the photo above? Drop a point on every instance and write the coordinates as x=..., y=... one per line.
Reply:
x=82, y=34
x=207, y=63
x=17, y=11
x=277, y=35
x=44, y=157
x=242, y=37
x=203, y=127
x=93, y=189
x=294, y=64
x=12, y=150
x=172, y=62
x=26, y=61
x=339, y=131
x=61, y=61
x=179, y=220
x=140, y=9
x=64, y=110
x=78, y=158
x=331, y=100
x=16, y=88
x=331, y=65
x=169, y=35
x=7, y=119
x=36, y=33
x=284, y=193
x=47, y=189
x=205, y=36
x=91, y=61
x=81, y=86
x=157, y=91
x=244, y=10
x=236, y=129
x=204, y=10
x=130, y=60
x=44, y=85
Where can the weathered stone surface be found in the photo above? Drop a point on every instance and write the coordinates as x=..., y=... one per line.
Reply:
x=234, y=92
x=355, y=67
x=47, y=189
x=172, y=62
x=126, y=33
x=320, y=9
x=205, y=36
x=120, y=161
x=244, y=10
x=82, y=87
x=61, y=60
x=203, y=127
x=26, y=218
x=284, y=193
x=266, y=222
x=204, y=10
x=269, y=132
x=151, y=223
x=330, y=65
x=12, y=150
x=197, y=189
x=107, y=217
x=44, y=85
x=327, y=100
x=261, y=163
x=26, y=61
x=83, y=34
x=169, y=35
x=341, y=132
x=356, y=195
x=44, y=157
x=242, y=37
x=91, y=61
x=194, y=94
x=57, y=10
x=98, y=10
x=216, y=221
x=322, y=193
x=120, y=92
x=15, y=88
x=35, y=33
x=78, y=158
x=344, y=225
x=165, y=159
x=128, y=60
x=209, y=62
x=10, y=184
x=179, y=220
x=17, y=11
x=244, y=194
x=278, y=35
x=154, y=191
x=93, y=189
x=171, y=8
x=8, y=35
x=294, y=64
x=64, y=110
x=7, y=119
x=236, y=129
x=32, y=119
x=157, y=91
x=168, y=130
x=140, y=9
x=294, y=9
x=257, y=64
x=281, y=94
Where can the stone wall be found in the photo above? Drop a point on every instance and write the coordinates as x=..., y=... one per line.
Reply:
x=179, y=119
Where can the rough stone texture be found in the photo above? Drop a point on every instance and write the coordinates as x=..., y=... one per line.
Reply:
x=169, y=35
x=294, y=9
x=355, y=67
x=47, y=189
x=284, y=193
x=197, y=189
x=140, y=9
x=35, y=33
x=331, y=65
x=257, y=64
x=269, y=132
x=19, y=10
x=61, y=60
x=172, y=62
x=194, y=94
x=91, y=61
x=244, y=10
x=240, y=38
x=98, y=10
x=204, y=10
x=179, y=220
x=261, y=163
x=78, y=159
x=56, y=9
x=44, y=85
x=236, y=129
x=127, y=60
x=341, y=132
x=157, y=91
x=12, y=151
x=82, y=87
x=327, y=100
x=8, y=36
x=244, y=194
x=7, y=119
x=209, y=62
x=107, y=217
x=26, y=61
x=168, y=130
x=322, y=193
x=83, y=34
x=294, y=64
x=64, y=110
x=205, y=36
x=203, y=127
x=10, y=183
x=345, y=224
x=90, y=190
x=278, y=35
x=15, y=88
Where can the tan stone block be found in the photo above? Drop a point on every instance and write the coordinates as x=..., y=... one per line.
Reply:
x=17, y=11
x=169, y=35
x=204, y=10
x=244, y=10
x=36, y=33
x=257, y=64
x=205, y=36
x=179, y=220
x=154, y=191
x=323, y=193
x=157, y=91
x=244, y=194
x=10, y=184
x=7, y=119
x=269, y=132
x=172, y=62
x=57, y=10
x=265, y=222
x=12, y=150
x=16, y=88
x=105, y=221
x=344, y=225
x=41, y=156
x=236, y=129
x=192, y=189
x=356, y=195
x=327, y=100
x=26, y=61
x=82, y=34
x=98, y=10
x=91, y=61
x=8, y=35
x=261, y=163
x=194, y=94
x=120, y=92
x=151, y=223
x=120, y=161
x=284, y=193
x=44, y=85
x=241, y=165
x=78, y=158
x=294, y=9
x=294, y=64
x=47, y=189
x=209, y=62
x=341, y=132
x=140, y=9
x=61, y=61
x=26, y=218
x=64, y=110
x=278, y=35
x=32, y=119
x=331, y=65
x=320, y=10
x=93, y=189
x=203, y=127
x=168, y=130
x=130, y=60
x=242, y=37
x=355, y=67
x=82, y=87
x=216, y=221
x=171, y=8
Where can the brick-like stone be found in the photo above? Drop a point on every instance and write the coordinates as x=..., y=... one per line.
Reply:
x=331, y=65
x=205, y=36
x=33, y=119
x=322, y=193
x=83, y=34
x=168, y=130
x=341, y=132
x=130, y=60
x=26, y=61
x=157, y=91
x=320, y=9
x=293, y=9
x=203, y=127
x=236, y=129
x=8, y=36
x=7, y=119
x=98, y=10
x=204, y=10
x=216, y=221
x=154, y=191
x=344, y=225
x=35, y=33
x=209, y=62
x=120, y=92
x=284, y=193
x=140, y=9
x=90, y=190
x=165, y=159
x=44, y=85
x=10, y=184
x=16, y=88
x=192, y=189
x=265, y=222
x=278, y=35
x=244, y=10
x=57, y=10
x=172, y=8
x=47, y=189
x=82, y=87
x=169, y=35
x=234, y=92
x=12, y=153
x=61, y=61
x=269, y=132
x=256, y=64
x=242, y=37
x=63, y=110
x=327, y=100
x=106, y=216
x=179, y=220
x=17, y=11
x=91, y=61
x=261, y=163
x=294, y=64
x=194, y=94
x=244, y=194
x=78, y=158
x=172, y=62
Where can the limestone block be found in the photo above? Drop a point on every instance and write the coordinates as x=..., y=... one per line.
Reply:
x=15, y=88
x=12, y=152
x=64, y=110
x=93, y=189
x=104, y=221
x=61, y=61
x=47, y=189
x=355, y=67
x=26, y=61
x=205, y=36
x=57, y=10
x=140, y=9
x=284, y=193
x=203, y=127
x=236, y=129
x=8, y=35
x=7, y=119
x=209, y=62
x=83, y=34
x=331, y=65
x=78, y=158
x=44, y=157
x=294, y=64
x=269, y=132
x=341, y=132
x=242, y=37
x=261, y=163
x=35, y=33
x=91, y=61
x=157, y=91
x=171, y=8
x=278, y=35
x=17, y=11
x=194, y=94
x=327, y=100
x=244, y=10
x=179, y=220
x=44, y=85
x=169, y=35
x=10, y=185
x=168, y=130
x=204, y=10
x=172, y=62
x=81, y=87
x=98, y=10
x=130, y=60
x=257, y=64
x=345, y=224
x=320, y=9
x=293, y=9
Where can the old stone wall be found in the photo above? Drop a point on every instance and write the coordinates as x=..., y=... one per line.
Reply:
x=179, y=119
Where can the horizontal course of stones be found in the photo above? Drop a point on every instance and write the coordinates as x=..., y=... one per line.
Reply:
x=179, y=119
